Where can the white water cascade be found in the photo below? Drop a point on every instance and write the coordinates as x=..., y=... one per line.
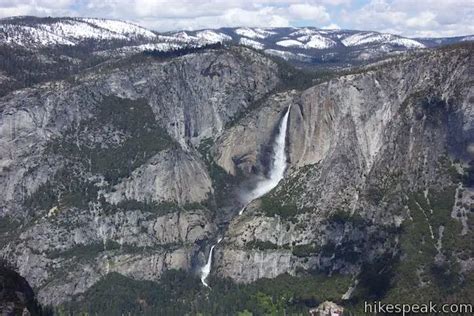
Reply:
x=277, y=167
x=265, y=185
x=206, y=269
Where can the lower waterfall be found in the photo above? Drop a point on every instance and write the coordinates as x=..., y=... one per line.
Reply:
x=277, y=170
x=206, y=269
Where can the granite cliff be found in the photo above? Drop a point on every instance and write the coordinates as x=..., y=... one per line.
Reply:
x=136, y=166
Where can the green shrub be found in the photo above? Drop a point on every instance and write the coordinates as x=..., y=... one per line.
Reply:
x=67, y=188
x=271, y=206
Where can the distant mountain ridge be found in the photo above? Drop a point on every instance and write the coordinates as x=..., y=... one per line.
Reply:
x=41, y=32
x=306, y=44
x=58, y=47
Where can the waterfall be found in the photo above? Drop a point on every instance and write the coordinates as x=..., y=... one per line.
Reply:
x=277, y=170
x=206, y=269
x=277, y=166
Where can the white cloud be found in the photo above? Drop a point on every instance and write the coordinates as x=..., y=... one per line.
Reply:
x=35, y=7
x=414, y=18
x=265, y=17
x=422, y=20
x=332, y=26
x=405, y=17
x=309, y=12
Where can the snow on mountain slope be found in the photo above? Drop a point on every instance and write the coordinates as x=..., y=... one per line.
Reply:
x=108, y=37
x=209, y=36
x=304, y=38
x=408, y=43
x=312, y=41
x=182, y=37
x=127, y=50
x=77, y=31
x=290, y=43
x=248, y=42
x=199, y=38
x=288, y=55
x=319, y=42
x=121, y=27
x=170, y=42
x=254, y=32
x=373, y=37
x=364, y=38
x=304, y=31
x=29, y=36
x=68, y=31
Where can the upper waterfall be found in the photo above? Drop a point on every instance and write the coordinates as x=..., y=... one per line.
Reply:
x=277, y=166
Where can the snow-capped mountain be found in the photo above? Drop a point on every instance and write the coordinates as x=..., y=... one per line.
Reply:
x=316, y=46
x=320, y=48
x=254, y=33
x=46, y=32
x=362, y=38
x=307, y=38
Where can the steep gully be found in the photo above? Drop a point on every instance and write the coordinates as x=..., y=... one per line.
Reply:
x=265, y=185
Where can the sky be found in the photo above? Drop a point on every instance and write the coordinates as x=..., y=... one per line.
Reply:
x=412, y=18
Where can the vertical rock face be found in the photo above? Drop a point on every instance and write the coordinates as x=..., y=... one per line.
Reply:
x=358, y=144
x=192, y=98
x=369, y=105
x=65, y=254
x=241, y=146
x=122, y=168
x=171, y=175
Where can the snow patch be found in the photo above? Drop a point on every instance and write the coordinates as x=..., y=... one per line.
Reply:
x=248, y=42
x=70, y=31
x=28, y=36
x=304, y=31
x=121, y=27
x=202, y=37
x=290, y=43
x=212, y=37
x=372, y=37
x=163, y=47
x=319, y=42
x=287, y=55
x=254, y=32
x=312, y=41
x=408, y=43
